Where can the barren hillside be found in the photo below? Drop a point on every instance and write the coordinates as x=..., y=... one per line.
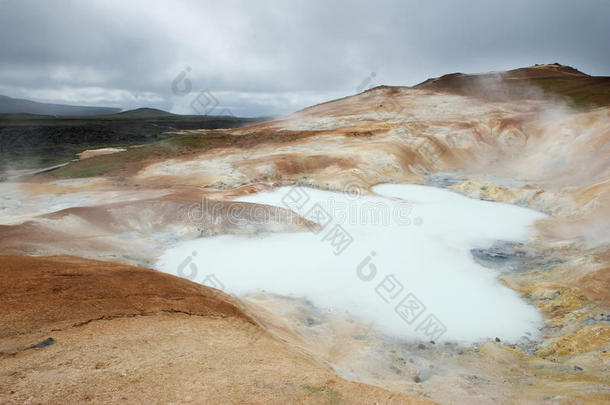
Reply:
x=537, y=137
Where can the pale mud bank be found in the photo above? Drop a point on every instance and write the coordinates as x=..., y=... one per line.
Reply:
x=89, y=153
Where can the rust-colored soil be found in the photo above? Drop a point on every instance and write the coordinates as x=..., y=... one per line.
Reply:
x=123, y=334
x=41, y=294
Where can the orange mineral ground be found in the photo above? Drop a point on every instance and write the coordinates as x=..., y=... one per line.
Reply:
x=537, y=137
x=126, y=334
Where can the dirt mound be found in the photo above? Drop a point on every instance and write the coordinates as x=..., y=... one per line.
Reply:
x=78, y=330
x=135, y=231
x=41, y=294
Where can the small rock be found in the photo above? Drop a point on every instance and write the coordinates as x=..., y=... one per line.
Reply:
x=46, y=342
x=417, y=379
x=577, y=368
x=421, y=346
x=498, y=340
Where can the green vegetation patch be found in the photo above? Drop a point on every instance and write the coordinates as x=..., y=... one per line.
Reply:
x=331, y=395
x=86, y=168
x=167, y=148
x=29, y=141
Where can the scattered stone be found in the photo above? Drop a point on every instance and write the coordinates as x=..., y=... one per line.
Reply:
x=498, y=339
x=505, y=256
x=577, y=368
x=417, y=379
x=421, y=346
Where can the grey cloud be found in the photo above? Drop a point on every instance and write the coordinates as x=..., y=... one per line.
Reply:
x=273, y=57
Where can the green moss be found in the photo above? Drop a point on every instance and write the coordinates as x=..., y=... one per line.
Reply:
x=86, y=168
x=167, y=148
x=582, y=93
x=195, y=141
x=331, y=395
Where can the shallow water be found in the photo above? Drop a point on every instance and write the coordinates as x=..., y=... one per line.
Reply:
x=398, y=261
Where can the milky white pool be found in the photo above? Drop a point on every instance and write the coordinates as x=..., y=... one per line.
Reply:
x=398, y=261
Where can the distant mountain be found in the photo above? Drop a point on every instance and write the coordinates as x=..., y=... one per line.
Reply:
x=10, y=105
x=144, y=113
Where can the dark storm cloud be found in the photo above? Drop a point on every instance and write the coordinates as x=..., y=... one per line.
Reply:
x=269, y=57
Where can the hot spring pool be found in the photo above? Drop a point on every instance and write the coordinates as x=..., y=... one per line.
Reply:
x=399, y=261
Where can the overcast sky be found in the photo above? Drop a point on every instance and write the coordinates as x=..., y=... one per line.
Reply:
x=275, y=57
